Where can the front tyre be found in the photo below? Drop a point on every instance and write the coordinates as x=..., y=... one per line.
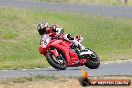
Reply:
x=93, y=61
x=57, y=63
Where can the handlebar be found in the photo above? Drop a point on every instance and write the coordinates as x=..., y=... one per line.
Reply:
x=55, y=37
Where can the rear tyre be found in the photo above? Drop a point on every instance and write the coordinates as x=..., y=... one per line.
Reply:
x=54, y=62
x=93, y=61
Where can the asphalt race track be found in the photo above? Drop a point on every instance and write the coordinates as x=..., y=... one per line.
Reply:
x=107, y=68
x=116, y=11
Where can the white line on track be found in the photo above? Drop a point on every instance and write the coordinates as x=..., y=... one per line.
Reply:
x=50, y=67
x=118, y=61
x=5, y=70
x=106, y=63
x=37, y=68
x=24, y=69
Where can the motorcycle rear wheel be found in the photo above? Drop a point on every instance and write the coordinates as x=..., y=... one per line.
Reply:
x=54, y=63
x=93, y=61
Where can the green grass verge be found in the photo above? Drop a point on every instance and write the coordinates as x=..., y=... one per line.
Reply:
x=96, y=2
x=110, y=37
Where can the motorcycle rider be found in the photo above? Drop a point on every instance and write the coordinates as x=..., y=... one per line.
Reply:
x=46, y=28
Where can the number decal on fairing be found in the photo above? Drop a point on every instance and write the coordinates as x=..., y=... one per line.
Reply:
x=45, y=41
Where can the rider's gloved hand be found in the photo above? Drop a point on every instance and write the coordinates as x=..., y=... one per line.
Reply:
x=79, y=38
x=55, y=36
x=70, y=37
x=58, y=36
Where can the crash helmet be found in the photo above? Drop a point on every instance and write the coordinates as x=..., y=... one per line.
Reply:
x=42, y=28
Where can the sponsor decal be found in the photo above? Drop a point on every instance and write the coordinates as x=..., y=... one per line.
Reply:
x=85, y=81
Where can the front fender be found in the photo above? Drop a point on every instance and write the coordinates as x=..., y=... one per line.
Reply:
x=54, y=52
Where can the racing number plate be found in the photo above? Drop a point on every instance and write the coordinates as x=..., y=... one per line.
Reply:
x=45, y=41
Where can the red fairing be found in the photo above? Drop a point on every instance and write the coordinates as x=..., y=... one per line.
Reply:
x=83, y=61
x=71, y=56
x=64, y=46
x=41, y=49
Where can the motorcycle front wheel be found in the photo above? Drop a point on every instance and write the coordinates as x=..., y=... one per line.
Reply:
x=58, y=63
x=93, y=61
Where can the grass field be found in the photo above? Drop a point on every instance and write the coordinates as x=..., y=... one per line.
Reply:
x=110, y=37
x=96, y=2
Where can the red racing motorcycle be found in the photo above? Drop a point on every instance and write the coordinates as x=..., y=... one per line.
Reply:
x=61, y=54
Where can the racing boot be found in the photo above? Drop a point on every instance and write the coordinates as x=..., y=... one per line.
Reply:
x=84, y=51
